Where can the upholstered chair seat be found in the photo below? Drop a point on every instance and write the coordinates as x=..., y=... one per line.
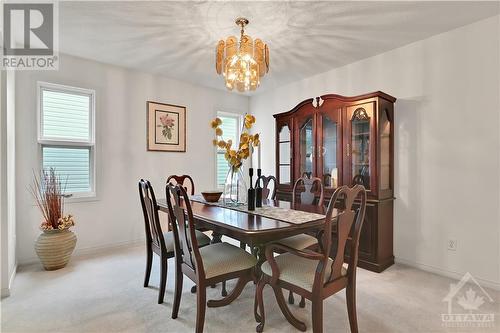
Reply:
x=170, y=242
x=299, y=242
x=299, y=271
x=223, y=258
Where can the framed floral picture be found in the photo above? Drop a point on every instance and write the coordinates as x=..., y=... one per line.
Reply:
x=166, y=127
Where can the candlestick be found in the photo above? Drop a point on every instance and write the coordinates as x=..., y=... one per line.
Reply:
x=258, y=190
x=251, y=192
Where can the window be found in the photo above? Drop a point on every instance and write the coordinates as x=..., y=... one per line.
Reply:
x=231, y=131
x=66, y=135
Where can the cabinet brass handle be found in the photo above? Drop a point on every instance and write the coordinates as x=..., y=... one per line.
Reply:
x=348, y=150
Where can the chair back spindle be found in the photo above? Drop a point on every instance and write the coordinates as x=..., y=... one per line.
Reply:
x=266, y=180
x=309, y=194
x=185, y=180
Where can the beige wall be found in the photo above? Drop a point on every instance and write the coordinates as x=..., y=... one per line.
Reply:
x=447, y=143
x=115, y=217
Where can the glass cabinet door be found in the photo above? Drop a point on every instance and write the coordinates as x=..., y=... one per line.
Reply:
x=284, y=147
x=360, y=146
x=330, y=168
x=385, y=151
x=306, y=148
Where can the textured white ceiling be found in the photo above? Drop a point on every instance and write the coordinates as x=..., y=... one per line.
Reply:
x=177, y=39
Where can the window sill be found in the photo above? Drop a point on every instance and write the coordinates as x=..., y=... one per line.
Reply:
x=87, y=197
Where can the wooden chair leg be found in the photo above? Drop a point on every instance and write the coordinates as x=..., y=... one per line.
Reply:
x=224, y=290
x=201, y=305
x=317, y=315
x=302, y=303
x=259, y=312
x=291, y=300
x=351, y=307
x=278, y=292
x=149, y=263
x=242, y=281
x=256, y=306
x=163, y=278
x=179, y=276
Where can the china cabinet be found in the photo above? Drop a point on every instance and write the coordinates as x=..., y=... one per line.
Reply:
x=344, y=141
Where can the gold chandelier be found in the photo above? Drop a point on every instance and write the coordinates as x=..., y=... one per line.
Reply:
x=243, y=63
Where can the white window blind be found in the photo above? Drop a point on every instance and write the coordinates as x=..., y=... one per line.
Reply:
x=230, y=129
x=66, y=115
x=73, y=164
x=66, y=135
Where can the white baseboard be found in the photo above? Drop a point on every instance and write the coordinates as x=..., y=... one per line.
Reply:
x=90, y=250
x=114, y=246
x=443, y=272
x=6, y=291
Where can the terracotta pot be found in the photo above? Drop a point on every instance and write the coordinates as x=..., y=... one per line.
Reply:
x=54, y=248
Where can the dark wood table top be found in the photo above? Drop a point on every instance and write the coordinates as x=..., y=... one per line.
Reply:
x=247, y=227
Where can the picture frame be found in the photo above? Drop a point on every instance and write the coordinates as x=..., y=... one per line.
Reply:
x=166, y=127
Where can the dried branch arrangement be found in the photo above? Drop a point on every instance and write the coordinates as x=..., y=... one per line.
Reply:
x=48, y=190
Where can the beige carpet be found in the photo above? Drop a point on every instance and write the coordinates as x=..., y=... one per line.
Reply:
x=104, y=294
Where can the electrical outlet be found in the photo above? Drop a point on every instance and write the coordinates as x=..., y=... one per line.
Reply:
x=452, y=245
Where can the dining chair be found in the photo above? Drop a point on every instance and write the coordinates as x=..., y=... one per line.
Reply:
x=266, y=192
x=187, y=182
x=311, y=185
x=161, y=243
x=314, y=275
x=204, y=266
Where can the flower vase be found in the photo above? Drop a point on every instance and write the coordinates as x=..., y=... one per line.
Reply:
x=235, y=188
x=54, y=248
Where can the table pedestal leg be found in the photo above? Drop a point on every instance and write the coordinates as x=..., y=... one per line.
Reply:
x=216, y=238
x=259, y=251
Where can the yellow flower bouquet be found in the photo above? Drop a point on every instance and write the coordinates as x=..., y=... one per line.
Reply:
x=235, y=190
x=247, y=142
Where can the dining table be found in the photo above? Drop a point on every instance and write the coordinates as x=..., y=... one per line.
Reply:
x=251, y=227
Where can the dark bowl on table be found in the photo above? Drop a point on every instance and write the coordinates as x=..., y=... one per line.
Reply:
x=211, y=196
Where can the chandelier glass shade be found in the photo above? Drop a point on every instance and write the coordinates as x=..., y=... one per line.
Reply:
x=242, y=63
